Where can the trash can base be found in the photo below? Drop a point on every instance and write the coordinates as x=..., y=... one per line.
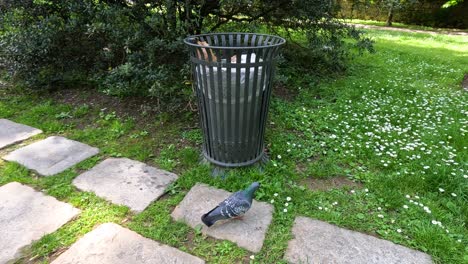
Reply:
x=222, y=170
x=234, y=165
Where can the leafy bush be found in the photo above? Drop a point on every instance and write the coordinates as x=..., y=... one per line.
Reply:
x=46, y=43
x=135, y=47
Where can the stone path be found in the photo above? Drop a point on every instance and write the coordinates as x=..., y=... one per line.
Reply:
x=26, y=215
x=11, y=132
x=249, y=232
x=127, y=182
x=112, y=244
x=52, y=155
x=319, y=242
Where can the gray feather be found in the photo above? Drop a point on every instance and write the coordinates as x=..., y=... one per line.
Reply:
x=235, y=205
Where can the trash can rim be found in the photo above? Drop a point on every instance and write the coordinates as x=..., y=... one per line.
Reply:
x=187, y=41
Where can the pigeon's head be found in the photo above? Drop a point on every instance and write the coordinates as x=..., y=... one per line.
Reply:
x=253, y=187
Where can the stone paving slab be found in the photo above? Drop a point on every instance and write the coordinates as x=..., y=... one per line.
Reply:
x=127, y=182
x=27, y=215
x=52, y=155
x=11, y=132
x=112, y=244
x=248, y=232
x=319, y=242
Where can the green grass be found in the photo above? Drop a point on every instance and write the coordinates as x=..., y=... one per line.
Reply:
x=396, y=123
x=399, y=25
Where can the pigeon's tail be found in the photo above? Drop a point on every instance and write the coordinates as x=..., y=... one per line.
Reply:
x=208, y=221
x=210, y=218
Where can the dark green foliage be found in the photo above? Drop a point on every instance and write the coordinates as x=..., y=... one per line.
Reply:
x=41, y=46
x=123, y=49
x=135, y=47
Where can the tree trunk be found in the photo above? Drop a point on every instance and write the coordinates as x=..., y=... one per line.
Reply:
x=390, y=16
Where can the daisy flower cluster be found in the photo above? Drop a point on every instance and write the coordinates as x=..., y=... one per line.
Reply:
x=395, y=129
x=402, y=130
x=416, y=203
x=286, y=204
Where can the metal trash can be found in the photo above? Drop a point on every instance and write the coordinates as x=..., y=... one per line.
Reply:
x=233, y=75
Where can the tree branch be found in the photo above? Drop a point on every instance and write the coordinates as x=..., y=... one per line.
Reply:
x=231, y=17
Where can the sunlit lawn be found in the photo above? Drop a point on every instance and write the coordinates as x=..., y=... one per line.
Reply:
x=396, y=123
x=400, y=25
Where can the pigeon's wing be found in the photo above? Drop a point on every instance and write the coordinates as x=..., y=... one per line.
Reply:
x=235, y=205
x=213, y=211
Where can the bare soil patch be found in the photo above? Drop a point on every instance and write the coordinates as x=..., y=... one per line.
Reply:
x=142, y=109
x=316, y=184
x=464, y=83
x=129, y=106
x=285, y=93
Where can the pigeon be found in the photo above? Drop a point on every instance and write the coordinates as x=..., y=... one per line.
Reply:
x=234, y=206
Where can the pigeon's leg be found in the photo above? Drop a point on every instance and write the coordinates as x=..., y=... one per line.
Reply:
x=240, y=217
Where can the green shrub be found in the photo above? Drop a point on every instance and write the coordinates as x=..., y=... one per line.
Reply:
x=50, y=43
x=135, y=47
